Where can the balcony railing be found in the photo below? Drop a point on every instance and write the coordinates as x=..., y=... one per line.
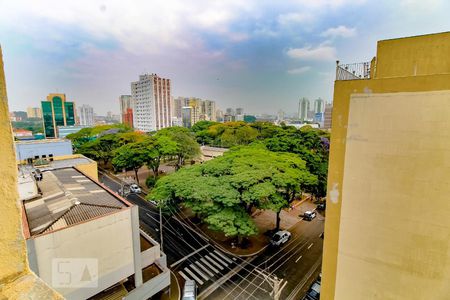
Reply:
x=352, y=71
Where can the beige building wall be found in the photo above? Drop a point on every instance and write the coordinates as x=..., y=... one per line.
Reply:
x=395, y=227
x=91, y=239
x=392, y=72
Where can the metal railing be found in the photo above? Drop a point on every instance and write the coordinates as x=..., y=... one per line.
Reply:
x=352, y=71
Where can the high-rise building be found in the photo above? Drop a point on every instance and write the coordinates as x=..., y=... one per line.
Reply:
x=387, y=217
x=126, y=110
x=209, y=110
x=86, y=115
x=152, y=103
x=303, y=109
x=186, y=116
x=327, y=116
x=201, y=109
x=34, y=112
x=56, y=111
x=178, y=105
x=219, y=115
x=239, y=111
x=319, y=106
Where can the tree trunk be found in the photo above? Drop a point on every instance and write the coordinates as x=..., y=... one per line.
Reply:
x=249, y=208
x=136, y=173
x=278, y=221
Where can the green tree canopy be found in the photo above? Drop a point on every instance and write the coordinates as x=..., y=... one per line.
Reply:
x=186, y=145
x=227, y=188
x=130, y=156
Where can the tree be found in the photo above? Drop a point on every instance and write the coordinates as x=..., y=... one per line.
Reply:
x=157, y=148
x=242, y=179
x=186, y=145
x=130, y=156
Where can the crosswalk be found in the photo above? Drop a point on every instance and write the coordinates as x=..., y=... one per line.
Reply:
x=206, y=266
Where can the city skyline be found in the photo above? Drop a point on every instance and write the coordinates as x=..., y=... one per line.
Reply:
x=261, y=56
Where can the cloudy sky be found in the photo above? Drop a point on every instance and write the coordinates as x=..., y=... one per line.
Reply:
x=256, y=54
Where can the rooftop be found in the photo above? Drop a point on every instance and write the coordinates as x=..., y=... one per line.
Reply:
x=45, y=141
x=68, y=197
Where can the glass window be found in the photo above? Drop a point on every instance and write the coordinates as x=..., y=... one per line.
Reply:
x=49, y=130
x=58, y=109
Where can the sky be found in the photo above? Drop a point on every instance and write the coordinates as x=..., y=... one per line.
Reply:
x=255, y=54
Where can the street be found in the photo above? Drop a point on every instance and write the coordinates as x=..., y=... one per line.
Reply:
x=220, y=275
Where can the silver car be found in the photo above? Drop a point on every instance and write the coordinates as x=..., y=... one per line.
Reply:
x=280, y=237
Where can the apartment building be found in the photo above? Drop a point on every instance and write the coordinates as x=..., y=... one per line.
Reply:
x=86, y=115
x=152, y=107
x=387, y=218
x=84, y=240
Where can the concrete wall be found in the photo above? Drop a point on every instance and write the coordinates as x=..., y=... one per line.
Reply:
x=16, y=280
x=90, y=169
x=26, y=150
x=341, y=107
x=107, y=239
x=412, y=56
x=395, y=225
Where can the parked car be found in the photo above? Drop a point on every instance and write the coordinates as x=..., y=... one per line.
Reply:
x=309, y=215
x=321, y=206
x=313, y=292
x=37, y=174
x=280, y=237
x=134, y=188
x=190, y=290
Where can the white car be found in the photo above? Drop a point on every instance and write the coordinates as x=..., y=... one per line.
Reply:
x=280, y=237
x=134, y=188
x=309, y=215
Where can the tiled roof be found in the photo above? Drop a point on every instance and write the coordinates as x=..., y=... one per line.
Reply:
x=68, y=198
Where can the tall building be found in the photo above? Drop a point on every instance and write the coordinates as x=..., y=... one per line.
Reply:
x=34, y=112
x=152, y=103
x=387, y=218
x=303, y=109
x=239, y=111
x=327, y=116
x=186, y=116
x=86, y=115
x=209, y=110
x=219, y=115
x=126, y=110
x=200, y=109
x=319, y=106
x=56, y=111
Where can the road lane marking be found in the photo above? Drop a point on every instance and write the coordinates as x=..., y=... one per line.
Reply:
x=209, y=265
x=223, y=256
x=309, y=247
x=199, y=281
x=214, y=262
x=183, y=275
x=218, y=259
x=298, y=258
x=193, y=267
x=204, y=268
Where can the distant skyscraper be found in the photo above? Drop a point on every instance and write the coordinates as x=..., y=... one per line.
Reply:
x=303, y=109
x=209, y=110
x=126, y=110
x=219, y=115
x=56, y=111
x=239, y=111
x=178, y=105
x=152, y=103
x=86, y=115
x=319, y=106
x=280, y=116
x=229, y=111
x=327, y=116
x=34, y=112
x=186, y=116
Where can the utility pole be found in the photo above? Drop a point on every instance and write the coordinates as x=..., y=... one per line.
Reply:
x=160, y=227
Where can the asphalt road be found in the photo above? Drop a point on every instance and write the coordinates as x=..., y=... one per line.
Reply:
x=189, y=253
x=297, y=263
x=223, y=276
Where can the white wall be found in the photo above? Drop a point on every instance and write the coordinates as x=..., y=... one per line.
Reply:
x=26, y=150
x=108, y=239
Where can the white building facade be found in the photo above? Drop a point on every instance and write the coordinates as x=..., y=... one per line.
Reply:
x=303, y=109
x=152, y=103
x=86, y=115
